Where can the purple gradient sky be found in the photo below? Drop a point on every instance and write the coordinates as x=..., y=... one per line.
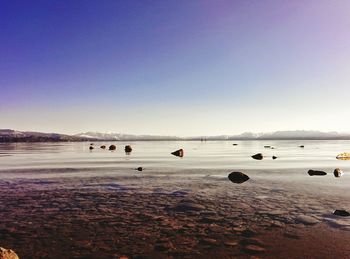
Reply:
x=174, y=67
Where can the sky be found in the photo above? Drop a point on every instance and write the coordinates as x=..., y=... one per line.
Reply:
x=175, y=67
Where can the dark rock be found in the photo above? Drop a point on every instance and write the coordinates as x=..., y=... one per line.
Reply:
x=103, y=147
x=302, y=146
x=91, y=147
x=235, y=144
x=179, y=153
x=127, y=149
x=337, y=172
x=274, y=157
x=112, y=147
x=258, y=156
x=267, y=146
x=139, y=168
x=315, y=172
x=342, y=213
x=238, y=177
x=91, y=144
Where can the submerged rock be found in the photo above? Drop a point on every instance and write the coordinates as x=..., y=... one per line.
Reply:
x=307, y=220
x=185, y=205
x=128, y=149
x=112, y=147
x=274, y=157
x=315, y=172
x=342, y=213
x=267, y=146
x=179, y=153
x=258, y=156
x=103, y=147
x=343, y=156
x=337, y=172
x=238, y=177
x=254, y=249
x=7, y=254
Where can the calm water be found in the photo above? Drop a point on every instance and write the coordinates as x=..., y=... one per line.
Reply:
x=213, y=157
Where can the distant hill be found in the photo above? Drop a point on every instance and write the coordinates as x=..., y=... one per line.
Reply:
x=8, y=135
x=120, y=136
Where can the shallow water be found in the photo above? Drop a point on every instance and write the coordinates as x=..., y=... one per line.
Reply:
x=66, y=185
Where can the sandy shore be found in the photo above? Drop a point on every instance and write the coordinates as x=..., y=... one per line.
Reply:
x=142, y=217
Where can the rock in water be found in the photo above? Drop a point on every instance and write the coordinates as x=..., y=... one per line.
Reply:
x=342, y=213
x=338, y=172
x=238, y=177
x=315, y=172
x=103, y=147
x=7, y=254
x=302, y=146
x=139, y=168
x=179, y=153
x=343, y=156
x=112, y=147
x=258, y=156
x=128, y=149
x=274, y=157
x=91, y=147
x=235, y=144
x=267, y=146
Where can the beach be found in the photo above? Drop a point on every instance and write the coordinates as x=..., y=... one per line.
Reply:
x=54, y=204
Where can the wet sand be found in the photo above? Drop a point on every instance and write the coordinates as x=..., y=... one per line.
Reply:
x=142, y=215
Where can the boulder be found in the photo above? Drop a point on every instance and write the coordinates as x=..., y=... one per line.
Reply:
x=274, y=157
x=7, y=254
x=179, y=153
x=258, y=156
x=315, y=172
x=342, y=213
x=91, y=147
x=103, y=147
x=112, y=147
x=139, y=168
x=337, y=172
x=128, y=149
x=343, y=156
x=238, y=177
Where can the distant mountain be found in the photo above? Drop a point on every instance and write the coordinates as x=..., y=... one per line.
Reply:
x=120, y=136
x=8, y=135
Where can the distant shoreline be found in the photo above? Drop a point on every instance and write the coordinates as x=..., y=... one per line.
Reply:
x=162, y=140
x=14, y=136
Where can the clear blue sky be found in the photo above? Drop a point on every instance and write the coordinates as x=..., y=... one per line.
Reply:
x=174, y=67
